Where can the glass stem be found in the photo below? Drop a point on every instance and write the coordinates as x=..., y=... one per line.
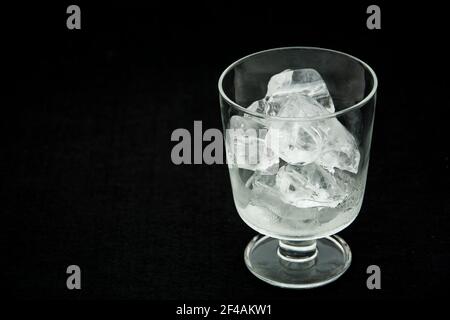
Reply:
x=297, y=251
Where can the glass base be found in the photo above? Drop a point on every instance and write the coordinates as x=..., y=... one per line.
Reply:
x=297, y=264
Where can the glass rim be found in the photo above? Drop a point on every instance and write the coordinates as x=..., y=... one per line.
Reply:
x=358, y=105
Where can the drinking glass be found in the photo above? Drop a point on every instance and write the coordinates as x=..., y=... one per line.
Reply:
x=297, y=208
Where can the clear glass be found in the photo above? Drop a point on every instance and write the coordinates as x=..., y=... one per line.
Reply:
x=298, y=247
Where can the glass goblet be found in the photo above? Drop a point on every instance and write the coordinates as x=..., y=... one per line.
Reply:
x=306, y=184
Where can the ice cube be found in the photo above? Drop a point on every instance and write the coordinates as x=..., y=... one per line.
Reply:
x=295, y=105
x=259, y=107
x=238, y=122
x=265, y=106
x=298, y=142
x=295, y=94
x=324, y=141
x=265, y=194
x=340, y=149
x=305, y=81
x=309, y=186
x=246, y=146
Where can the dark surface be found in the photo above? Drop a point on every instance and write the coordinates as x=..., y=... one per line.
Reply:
x=85, y=169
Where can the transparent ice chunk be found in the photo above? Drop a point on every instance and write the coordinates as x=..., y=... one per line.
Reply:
x=259, y=107
x=295, y=94
x=324, y=141
x=309, y=186
x=246, y=146
x=305, y=81
x=340, y=149
x=295, y=105
x=298, y=142
x=265, y=194
x=265, y=106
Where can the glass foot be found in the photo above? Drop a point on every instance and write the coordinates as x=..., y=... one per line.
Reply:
x=297, y=264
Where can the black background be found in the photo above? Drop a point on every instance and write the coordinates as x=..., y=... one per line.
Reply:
x=86, y=174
